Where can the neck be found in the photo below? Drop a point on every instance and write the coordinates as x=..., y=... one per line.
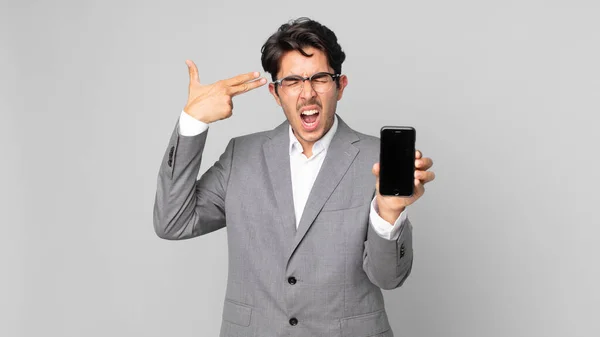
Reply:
x=306, y=146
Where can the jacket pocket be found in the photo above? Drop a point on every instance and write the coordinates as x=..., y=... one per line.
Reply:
x=236, y=313
x=365, y=325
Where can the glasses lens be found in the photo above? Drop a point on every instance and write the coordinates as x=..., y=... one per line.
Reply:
x=291, y=85
x=321, y=82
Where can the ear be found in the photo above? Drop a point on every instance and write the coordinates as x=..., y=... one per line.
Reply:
x=343, y=83
x=275, y=95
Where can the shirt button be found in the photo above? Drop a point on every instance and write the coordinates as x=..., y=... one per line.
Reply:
x=293, y=321
x=292, y=280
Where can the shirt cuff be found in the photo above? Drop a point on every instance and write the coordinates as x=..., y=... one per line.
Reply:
x=190, y=126
x=385, y=229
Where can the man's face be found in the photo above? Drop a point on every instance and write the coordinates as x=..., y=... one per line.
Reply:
x=298, y=107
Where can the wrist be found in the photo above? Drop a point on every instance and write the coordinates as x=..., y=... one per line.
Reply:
x=389, y=215
x=202, y=119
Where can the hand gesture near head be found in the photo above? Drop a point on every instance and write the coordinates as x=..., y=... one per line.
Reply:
x=212, y=102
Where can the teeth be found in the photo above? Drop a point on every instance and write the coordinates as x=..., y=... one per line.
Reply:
x=310, y=112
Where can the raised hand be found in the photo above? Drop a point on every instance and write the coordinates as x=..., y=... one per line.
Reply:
x=213, y=102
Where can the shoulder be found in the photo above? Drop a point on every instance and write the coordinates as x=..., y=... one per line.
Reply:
x=252, y=138
x=364, y=141
x=254, y=141
x=367, y=145
x=358, y=139
x=367, y=141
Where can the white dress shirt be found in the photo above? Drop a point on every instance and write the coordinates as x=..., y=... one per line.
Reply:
x=304, y=172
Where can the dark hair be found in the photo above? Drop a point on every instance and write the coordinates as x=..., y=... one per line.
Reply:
x=297, y=34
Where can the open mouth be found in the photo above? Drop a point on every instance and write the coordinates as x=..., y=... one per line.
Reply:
x=310, y=119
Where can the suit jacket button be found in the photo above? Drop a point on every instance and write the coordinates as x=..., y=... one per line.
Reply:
x=293, y=321
x=292, y=280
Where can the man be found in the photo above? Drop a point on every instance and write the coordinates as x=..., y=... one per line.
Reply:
x=311, y=241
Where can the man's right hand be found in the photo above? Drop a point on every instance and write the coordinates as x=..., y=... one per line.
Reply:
x=213, y=102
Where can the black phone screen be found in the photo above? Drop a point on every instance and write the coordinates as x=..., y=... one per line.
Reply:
x=397, y=161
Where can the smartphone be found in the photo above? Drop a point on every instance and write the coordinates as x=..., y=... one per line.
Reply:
x=397, y=161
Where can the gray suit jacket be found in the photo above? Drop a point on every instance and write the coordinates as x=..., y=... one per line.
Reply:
x=323, y=279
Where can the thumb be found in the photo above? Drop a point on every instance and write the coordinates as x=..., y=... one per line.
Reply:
x=193, y=70
x=375, y=169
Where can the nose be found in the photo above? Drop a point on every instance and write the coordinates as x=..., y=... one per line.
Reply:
x=307, y=90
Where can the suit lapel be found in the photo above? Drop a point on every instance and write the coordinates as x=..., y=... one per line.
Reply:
x=277, y=157
x=340, y=155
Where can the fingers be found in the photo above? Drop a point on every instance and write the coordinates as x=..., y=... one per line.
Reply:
x=419, y=189
x=239, y=79
x=247, y=86
x=193, y=70
x=421, y=172
x=424, y=176
x=421, y=167
x=423, y=164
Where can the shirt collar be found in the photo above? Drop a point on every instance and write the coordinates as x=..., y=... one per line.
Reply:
x=320, y=145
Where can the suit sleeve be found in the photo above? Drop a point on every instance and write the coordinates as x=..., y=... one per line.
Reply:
x=388, y=263
x=185, y=207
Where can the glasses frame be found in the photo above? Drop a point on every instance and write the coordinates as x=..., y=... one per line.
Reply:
x=334, y=77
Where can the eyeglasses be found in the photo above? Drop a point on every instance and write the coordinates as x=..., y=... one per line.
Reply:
x=321, y=82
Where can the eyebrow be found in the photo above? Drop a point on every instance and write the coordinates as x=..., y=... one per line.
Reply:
x=316, y=72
